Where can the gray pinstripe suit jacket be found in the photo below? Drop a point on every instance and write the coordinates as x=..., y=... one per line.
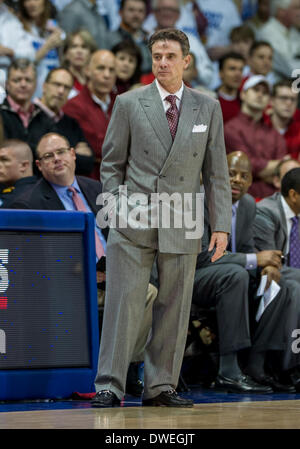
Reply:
x=138, y=152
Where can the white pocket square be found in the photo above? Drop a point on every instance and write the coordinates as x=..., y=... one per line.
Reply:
x=199, y=128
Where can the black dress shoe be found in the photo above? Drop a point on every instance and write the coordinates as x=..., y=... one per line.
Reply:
x=168, y=399
x=295, y=379
x=274, y=384
x=105, y=398
x=242, y=384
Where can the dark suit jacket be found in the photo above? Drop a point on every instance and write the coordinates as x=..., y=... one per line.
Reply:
x=19, y=188
x=43, y=197
x=244, y=235
x=270, y=230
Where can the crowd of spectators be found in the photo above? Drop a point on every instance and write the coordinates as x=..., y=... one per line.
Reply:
x=63, y=62
x=230, y=41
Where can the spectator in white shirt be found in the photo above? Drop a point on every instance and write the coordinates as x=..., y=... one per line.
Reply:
x=167, y=13
x=282, y=33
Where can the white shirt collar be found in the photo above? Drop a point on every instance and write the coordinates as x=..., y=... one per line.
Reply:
x=164, y=93
x=103, y=104
x=286, y=208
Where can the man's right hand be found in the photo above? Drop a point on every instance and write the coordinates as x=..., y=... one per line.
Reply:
x=273, y=274
x=269, y=257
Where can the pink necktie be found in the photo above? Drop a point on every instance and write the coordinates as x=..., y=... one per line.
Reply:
x=172, y=115
x=80, y=206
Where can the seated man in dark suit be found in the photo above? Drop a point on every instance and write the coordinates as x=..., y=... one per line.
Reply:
x=16, y=173
x=277, y=227
x=225, y=285
x=60, y=189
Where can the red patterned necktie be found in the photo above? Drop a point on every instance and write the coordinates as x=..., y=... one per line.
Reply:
x=295, y=244
x=80, y=206
x=172, y=115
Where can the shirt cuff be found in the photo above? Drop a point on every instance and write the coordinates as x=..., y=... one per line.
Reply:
x=251, y=261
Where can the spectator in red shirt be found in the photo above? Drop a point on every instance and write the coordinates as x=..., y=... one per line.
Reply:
x=249, y=133
x=231, y=74
x=93, y=105
x=282, y=115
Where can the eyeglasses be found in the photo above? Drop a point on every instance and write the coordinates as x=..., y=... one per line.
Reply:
x=57, y=85
x=49, y=157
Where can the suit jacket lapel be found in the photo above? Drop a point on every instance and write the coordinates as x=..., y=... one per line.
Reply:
x=282, y=219
x=188, y=114
x=50, y=196
x=153, y=107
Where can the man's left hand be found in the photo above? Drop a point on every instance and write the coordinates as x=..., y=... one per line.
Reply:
x=273, y=274
x=219, y=240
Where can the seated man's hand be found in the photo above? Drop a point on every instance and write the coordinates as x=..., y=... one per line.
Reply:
x=273, y=274
x=269, y=257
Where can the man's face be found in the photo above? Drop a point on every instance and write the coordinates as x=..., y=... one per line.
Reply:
x=294, y=13
x=133, y=14
x=239, y=174
x=10, y=166
x=257, y=97
x=284, y=168
x=242, y=47
x=21, y=84
x=168, y=63
x=56, y=90
x=264, y=9
x=261, y=60
x=102, y=73
x=167, y=13
x=285, y=102
x=232, y=73
x=56, y=164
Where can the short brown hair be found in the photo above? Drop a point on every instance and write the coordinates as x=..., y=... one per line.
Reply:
x=286, y=82
x=21, y=64
x=171, y=34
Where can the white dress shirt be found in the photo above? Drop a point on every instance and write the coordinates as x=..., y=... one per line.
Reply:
x=164, y=93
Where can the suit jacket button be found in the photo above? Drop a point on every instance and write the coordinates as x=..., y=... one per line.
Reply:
x=181, y=178
x=195, y=154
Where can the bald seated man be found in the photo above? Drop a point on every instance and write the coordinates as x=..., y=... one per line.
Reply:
x=16, y=171
x=225, y=285
x=282, y=168
x=92, y=107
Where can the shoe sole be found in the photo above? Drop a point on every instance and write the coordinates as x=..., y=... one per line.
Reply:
x=159, y=404
x=95, y=405
x=222, y=389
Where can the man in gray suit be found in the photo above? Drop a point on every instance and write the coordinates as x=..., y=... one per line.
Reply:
x=160, y=140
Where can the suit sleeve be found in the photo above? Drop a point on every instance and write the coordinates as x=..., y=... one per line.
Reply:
x=264, y=230
x=115, y=150
x=215, y=175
